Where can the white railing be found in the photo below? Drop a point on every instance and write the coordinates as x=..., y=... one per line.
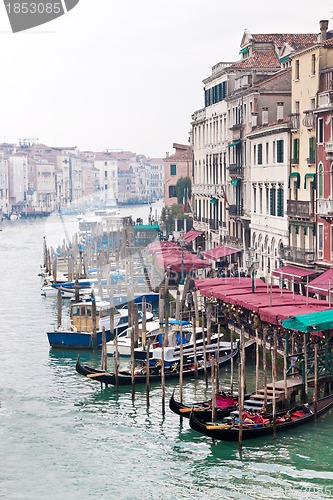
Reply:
x=329, y=147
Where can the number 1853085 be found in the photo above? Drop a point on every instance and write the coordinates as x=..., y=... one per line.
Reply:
x=34, y=8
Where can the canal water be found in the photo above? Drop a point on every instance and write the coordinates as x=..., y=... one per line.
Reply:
x=63, y=437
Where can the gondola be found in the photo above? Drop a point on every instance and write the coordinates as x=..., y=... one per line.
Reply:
x=287, y=420
x=125, y=376
x=224, y=405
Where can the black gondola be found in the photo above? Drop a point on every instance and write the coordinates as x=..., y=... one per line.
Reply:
x=203, y=410
x=125, y=377
x=287, y=420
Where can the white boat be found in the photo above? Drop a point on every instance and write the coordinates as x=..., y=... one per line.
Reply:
x=153, y=331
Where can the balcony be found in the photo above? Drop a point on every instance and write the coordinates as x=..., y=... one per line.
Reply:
x=233, y=241
x=298, y=255
x=311, y=160
x=299, y=209
x=294, y=121
x=329, y=147
x=308, y=120
x=325, y=209
x=236, y=171
x=235, y=210
x=294, y=161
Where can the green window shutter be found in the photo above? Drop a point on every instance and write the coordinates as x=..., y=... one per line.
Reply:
x=272, y=201
x=206, y=98
x=280, y=194
x=279, y=151
x=259, y=154
x=173, y=169
x=312, y=148
x=296, y=149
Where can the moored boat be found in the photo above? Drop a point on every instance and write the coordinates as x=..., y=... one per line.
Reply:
x=254, y=427
x=125, y=376
x=203, y=410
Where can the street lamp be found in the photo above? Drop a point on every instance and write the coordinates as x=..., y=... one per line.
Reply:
x=182, y=273
x=252, y=265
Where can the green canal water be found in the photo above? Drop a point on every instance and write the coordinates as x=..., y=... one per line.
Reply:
x=63, y=437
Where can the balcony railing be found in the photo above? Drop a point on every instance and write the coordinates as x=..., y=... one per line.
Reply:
x=232, y=240
x=299, y=209
x=294, y=161
x=309, y=119
x=298, y=255
x=325, y=208
x=235, y=210
x=311, y=160
x=294, y=121
x=236, y=170
x=329, y=147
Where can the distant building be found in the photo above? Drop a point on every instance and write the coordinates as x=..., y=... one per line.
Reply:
x=176, y=166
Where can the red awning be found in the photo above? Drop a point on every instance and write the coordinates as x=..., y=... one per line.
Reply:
x=322, y=284
x=293, y=273
x=219, y=252
x=175, y=259
x=191, y=235
x=275, y=315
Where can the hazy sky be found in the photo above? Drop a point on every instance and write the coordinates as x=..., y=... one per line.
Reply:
x=128, y=74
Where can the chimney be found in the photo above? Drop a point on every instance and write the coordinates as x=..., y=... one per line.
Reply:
x=167, y=154
x=323, y=29
x=279, y=111
x=264, y=116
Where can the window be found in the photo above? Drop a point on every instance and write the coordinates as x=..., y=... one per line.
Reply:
x=172, y=192
x=254, y=199
x=279, y=151
x=297, y=69
x=273, y=152
x=296, y=151
x=260, y=200
x=255, y=154
x=320, y=130
x=320, y=181
x=259, y=154
x=279, y=211
x=105, y=174
x=173, y=169
x=272, y=205
x=320, y=240
x=313, y=64
x=267, y=153
x=312, y=149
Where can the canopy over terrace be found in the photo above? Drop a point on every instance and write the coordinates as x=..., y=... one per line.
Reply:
x=275, y=315
x=322, y=284
x=270, y=302
x=310, y=323
x=293, y=273
x=240, y=282
x=175, y=260
x=191, y=235
x=219, y=252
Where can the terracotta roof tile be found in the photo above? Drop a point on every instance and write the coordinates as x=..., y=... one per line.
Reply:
x=266, y=59
x=296, y=40
x=328, y=42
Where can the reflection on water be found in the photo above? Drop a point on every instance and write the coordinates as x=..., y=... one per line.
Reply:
x=63, y=435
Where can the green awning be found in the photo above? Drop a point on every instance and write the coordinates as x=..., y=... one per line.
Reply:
x=309, y=323
x=233, y=144
x=234, y=182
x=312, y=178
x=285, y=59
x=297, y=177
x=244, y=50
x=213, y=201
